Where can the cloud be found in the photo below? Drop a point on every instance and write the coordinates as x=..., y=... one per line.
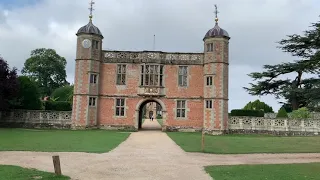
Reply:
x=254, y=26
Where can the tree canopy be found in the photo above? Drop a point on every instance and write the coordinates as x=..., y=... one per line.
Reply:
x=28, y=95
x=258, y=105
x=47, y=68
x=299, y=91
x=8, y=84
x=64, y=93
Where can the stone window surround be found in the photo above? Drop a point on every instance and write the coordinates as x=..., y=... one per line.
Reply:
x=186, y=109
x=115, y=105
x=125, y=74
x=209, y=47
x=209, y=80
x=93, y=78
x=188, y=69
x=141, y=78
x=95, y=44
x=208, y=103
x=92, y=100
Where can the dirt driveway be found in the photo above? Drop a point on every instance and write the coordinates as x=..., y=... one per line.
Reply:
x=145, y=155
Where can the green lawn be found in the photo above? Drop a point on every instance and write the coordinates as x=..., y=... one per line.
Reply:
x=241, y=144
x=160, y=121
x=262, y=172
x=15, y=172
x=93, y=141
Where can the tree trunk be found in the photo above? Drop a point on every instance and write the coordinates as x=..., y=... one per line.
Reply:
x=296, y=83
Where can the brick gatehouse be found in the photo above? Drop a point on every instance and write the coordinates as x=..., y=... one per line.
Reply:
x=111, y=87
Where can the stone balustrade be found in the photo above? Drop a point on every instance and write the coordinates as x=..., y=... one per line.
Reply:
x=244, y=124
x=36, y=119
x=153, y=57
x=314, y=115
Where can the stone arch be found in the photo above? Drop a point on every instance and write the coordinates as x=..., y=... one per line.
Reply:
x=142, y=103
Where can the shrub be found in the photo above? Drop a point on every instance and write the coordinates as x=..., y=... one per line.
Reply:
x=159, y=116
x=301, y=113
x=243, y=112
x=258, y=105
x=58, y=105
x=64, y=93
x=282, y=113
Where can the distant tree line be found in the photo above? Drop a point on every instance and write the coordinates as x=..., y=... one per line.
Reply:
x=42, y=85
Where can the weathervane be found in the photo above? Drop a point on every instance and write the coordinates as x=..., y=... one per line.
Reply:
x=216, y=12
x=91, y=9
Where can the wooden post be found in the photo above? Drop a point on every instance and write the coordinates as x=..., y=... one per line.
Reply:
x=202, y=141
x=56, y=165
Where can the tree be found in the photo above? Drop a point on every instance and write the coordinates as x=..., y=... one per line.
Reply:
x=64, y=93
x=8, y=85
x=282, y=113
x=28, y=95
x=258, y=105
x=47, y=68
x=298, y=92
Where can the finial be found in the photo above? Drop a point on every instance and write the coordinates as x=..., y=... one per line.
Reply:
x=91, y=9
x=216, y=12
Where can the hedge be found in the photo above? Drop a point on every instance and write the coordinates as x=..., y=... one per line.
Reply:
x=58, y=105
x=243, y=112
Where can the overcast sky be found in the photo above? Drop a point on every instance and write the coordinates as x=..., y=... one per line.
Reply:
x=254, y=26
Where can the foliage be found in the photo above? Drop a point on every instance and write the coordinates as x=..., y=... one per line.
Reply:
x=282, y=113
x=9, y=85
x=64, y=93
x=93, y=141
x=258, y=105
x=243, y=112
x=245, y=144
x=58, y=105
x=47, y=68
x=29, y=95
x=301, y=113
x=16, y=172
x=287, y=107
x=298, y=92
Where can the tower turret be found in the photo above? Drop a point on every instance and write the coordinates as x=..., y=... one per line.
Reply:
x=87, y=71
x=216, y=77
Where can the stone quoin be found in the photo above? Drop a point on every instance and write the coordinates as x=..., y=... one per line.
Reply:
x=111, y=87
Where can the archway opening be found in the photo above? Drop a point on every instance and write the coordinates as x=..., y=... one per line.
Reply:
x=150, y=115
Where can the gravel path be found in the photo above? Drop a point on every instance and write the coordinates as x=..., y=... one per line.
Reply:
x=144, y=155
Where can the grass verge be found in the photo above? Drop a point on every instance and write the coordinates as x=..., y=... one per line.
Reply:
x=92, y=141
x=243, y=144
x=16, y=172
x=308, y=171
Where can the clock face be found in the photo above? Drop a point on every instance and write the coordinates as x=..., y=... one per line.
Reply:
x=86, y=43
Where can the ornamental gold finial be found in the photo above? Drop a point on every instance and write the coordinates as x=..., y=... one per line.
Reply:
x=91, y=9
x=216, y=12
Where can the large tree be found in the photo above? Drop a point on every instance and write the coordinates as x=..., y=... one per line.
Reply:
x=299, y=91
x=47, y=68
x=8, y=85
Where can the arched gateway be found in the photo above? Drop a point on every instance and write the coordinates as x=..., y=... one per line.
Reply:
x=111, y=86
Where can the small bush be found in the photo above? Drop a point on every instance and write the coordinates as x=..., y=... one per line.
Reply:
x=58, y=105
x=282, y=113
x=159, y=116
x=243, y=112
x=301, y=113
